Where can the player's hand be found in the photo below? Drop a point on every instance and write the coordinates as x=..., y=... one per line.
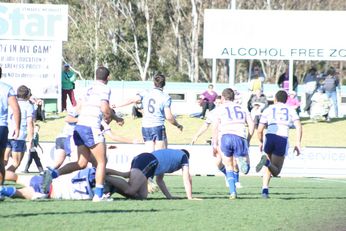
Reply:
x=260, y=147
x=120, y=122
x=297, y=150
x=193, y=141
x=180, y=127
x=15, y=134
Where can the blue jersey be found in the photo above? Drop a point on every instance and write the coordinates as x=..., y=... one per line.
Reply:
x=154, y=102
x=5, y=92
x=170, y=160
x=26, y=110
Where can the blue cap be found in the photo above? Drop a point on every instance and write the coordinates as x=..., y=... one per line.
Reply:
x=67, y=65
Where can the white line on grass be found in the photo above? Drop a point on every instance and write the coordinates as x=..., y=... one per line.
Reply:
x=331, y=180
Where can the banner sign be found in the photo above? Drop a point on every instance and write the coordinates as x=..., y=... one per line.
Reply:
x=35, y=64
x=313, y=162
x=274, y=34
x=33, y=21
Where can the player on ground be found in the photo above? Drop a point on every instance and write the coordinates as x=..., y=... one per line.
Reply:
x=230, y=136
x=147, y=165
x=74, y=186
x=17, y=147
x=7, y=100
x=277, y=118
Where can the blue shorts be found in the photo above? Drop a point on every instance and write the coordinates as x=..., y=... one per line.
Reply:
x=3, y=137
x=16, y=145
x=154, y=133
x=64, y=143
x=146, y=162
x=87, y=136
x=276, y=145
x=234, y=145
x=36, y=183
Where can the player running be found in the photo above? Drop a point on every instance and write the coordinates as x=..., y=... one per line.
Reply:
x=277, y=118
x=230, y=136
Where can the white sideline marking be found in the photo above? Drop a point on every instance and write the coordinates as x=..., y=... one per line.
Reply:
x=332, y=180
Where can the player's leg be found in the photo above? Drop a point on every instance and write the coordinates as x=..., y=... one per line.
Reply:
x=17, y=159
x=81, y=163
x=99, y=152
x=7, y=153
x=137, y=184
x=60, y=153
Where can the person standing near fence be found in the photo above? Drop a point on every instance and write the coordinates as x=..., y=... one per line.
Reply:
x=68, y=79
x=33, y=151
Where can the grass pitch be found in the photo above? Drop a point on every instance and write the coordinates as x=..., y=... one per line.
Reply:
x=295, y=204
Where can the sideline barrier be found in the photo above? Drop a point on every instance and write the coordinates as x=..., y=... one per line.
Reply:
x=314, y=161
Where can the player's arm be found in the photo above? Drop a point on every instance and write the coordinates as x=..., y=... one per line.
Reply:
x=113, y=136
x=251, y=127
x=202, y=129
x=260, y=131
x=13, y=103
x=135, y=99
x=170, y=118
x=117, y=173
x=187, y=182
x=106, y=110
x=161, y=183
x=30, y=129
x=71, y=119
x=299, y=135
x=120, y=121
x=215, y=135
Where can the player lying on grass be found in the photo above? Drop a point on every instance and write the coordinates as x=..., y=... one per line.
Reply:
x=147, y=165
x=74, y=186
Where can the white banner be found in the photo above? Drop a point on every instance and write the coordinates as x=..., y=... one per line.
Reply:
x=35, y=64
x=314, y=162
x=33, y=21
x=274, y=34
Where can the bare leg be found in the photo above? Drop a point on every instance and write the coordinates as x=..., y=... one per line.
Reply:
x=17, y=159
x=59, y=159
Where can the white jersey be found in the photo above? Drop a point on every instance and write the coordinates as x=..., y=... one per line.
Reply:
x=26, y=111
x=91, y=114
x=73, y=186
x=278, y=118
x=5, y=92
x=231, y=119
x=69, y=127
x=154, y=102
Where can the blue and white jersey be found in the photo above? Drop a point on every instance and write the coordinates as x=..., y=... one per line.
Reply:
x=154, y=102
x=278, y=118
x=170, y=160
x=5, y=92
x=231, y=119
x=74, y=186
x=27, y=110
x=69, y=127
x=91, y=114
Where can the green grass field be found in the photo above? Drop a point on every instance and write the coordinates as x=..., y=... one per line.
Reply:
x=295, y=204
x=320, y=134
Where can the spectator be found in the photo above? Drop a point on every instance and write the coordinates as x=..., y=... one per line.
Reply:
x=33, y=151
x=137, y=110
x=256, y=104
x=39, y=109
x=208, y=100
x=293, y=101
x=283, y=81
x=68, y=78
x=320, y=106
x=255, y=84
x=310, y=85
x=331, y=82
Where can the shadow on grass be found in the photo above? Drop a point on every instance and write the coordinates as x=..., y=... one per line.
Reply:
x=81, y=212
